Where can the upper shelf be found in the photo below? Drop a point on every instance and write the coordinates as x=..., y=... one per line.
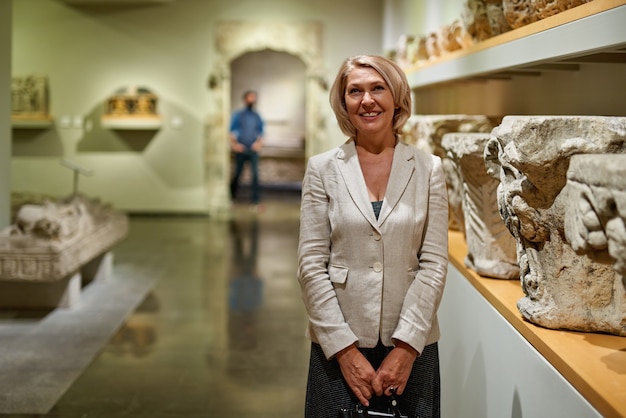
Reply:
x=131, y=123
x=592, y=32
x=31, y=122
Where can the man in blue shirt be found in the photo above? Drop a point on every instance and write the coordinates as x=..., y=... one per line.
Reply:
x=246, y=140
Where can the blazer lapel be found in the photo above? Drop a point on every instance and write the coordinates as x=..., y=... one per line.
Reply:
x=401, y=172
x=350, y=170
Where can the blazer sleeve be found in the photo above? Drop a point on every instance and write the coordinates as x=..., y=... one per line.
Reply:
x=418, y=315
x=327, y=325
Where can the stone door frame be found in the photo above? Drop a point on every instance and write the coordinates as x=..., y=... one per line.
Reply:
x=233, y=39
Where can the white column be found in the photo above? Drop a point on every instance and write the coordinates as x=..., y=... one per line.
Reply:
x=6, y=15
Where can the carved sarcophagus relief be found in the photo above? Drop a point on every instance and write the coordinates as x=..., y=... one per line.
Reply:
x=530, y=156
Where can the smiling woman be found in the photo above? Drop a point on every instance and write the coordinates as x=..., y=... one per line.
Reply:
x=372, y=253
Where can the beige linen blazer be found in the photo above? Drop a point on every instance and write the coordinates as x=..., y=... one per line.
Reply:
x=361, y=278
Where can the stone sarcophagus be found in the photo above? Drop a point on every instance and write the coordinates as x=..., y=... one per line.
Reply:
x=51, y=240
x=530, y=156
x=51, y=246
x=490, y=245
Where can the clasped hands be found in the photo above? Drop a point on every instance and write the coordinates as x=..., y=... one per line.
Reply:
x=364, y=381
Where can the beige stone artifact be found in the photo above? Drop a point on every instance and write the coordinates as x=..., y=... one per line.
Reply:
x=484, y=19
x=475, y=19
x=426, y=133
x=547, y=8
x=52, y=240
x=595, y=219
x=519, y=12
x=490, y=245
x=530, y=156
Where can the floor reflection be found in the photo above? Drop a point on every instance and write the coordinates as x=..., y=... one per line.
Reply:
x=222, y=333
x=245, y=288
x=138, y=336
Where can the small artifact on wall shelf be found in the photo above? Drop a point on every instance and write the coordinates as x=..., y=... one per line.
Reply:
x=132, y=102
x=29, y=97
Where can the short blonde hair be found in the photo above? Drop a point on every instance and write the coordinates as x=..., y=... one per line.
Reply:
x=394, y=77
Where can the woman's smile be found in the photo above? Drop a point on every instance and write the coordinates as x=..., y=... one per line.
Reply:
x=369, y=101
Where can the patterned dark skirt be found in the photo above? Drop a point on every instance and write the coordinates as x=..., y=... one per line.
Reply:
x=327, y=391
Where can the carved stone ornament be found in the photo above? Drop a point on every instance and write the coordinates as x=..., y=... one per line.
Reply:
x=490, y=246
x=595, y=219
x=519, y=12
x=52, y=240
x=475, y=19
x=530, y=156
x=426, y=133
x=546, y=8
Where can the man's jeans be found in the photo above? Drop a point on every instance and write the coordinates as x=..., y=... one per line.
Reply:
x=240, y=159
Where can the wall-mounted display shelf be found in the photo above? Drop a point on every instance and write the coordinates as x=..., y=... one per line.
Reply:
x=131, y=122
x=593, y=363
x=592, y=32
x=31, y=123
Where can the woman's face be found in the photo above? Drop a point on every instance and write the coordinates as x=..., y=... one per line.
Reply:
x=369, y=101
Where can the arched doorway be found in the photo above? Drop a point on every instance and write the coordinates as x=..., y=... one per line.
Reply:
x=279, y=79
x=234, y=39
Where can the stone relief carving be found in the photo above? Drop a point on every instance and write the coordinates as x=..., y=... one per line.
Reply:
x=546, y=8
x=484, y=19
x=595, y=218
x=495, y=15
x=52, y=240
x=479, y=20
x=490, y=246
x=530, y=156
x=426, y=133
x=519, y=12
x=29, y=97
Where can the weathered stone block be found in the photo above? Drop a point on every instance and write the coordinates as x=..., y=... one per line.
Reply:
x=530, y=156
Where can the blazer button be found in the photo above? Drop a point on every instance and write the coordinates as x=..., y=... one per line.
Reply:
x=378, y=267
x=376, y=235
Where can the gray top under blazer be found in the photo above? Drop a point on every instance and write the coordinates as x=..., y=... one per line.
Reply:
x=361, y=278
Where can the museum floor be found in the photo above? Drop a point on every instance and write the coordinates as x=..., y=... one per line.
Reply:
x=221, y=332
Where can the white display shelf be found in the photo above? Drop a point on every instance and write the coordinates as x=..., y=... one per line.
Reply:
x=592, y=32
x=131, y=123
x=31, y=123
x=593, y=363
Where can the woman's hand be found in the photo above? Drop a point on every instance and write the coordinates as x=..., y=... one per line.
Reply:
x=395, y=370
x=357, y=372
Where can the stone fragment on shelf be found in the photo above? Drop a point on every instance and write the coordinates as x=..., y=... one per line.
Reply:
x=490, y=246
x=426, y=133
x=547, y=8
x=519, y=12
x=530, y=156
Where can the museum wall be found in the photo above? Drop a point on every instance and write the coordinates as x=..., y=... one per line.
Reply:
x=88, y=51
x=5, y=113
x=416, y=17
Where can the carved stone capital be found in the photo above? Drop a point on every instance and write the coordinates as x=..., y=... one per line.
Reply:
x=530, y=156
x=490, y=246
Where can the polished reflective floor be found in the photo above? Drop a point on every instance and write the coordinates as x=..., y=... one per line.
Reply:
x=222, y=332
